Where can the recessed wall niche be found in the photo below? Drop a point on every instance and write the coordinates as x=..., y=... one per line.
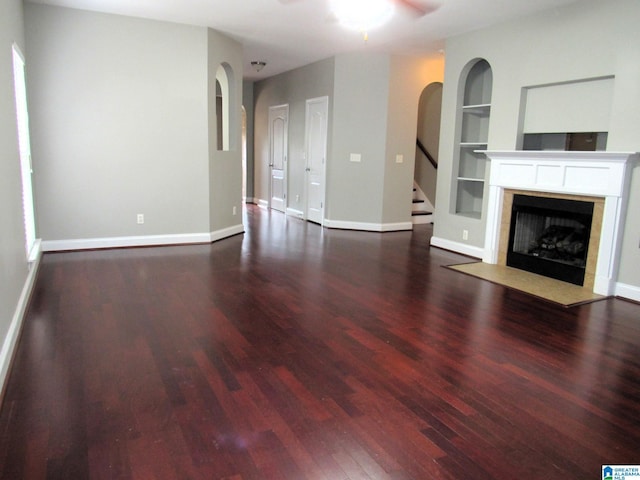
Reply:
x=474, y=113
x=566, y=115
x=223, y=105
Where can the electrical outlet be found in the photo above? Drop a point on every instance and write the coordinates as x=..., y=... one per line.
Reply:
x=234, y=209
x=465, y=234
x=140, y=218
x=297, y=198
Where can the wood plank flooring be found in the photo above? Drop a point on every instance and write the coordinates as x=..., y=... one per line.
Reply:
x=292, y=352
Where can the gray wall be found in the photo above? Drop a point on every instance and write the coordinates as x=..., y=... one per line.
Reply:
x=121, y=125
x=588, y=39
x=247, y=102
x=355, y=190
x=373, y=102
x=292, y=88
x=407, y=79
x=13, y=258
x=225, y=167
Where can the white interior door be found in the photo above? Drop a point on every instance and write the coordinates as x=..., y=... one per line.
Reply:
x=317, y=112
x=279, y=142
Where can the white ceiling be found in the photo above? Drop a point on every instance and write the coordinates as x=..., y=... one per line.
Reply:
x=290, y=33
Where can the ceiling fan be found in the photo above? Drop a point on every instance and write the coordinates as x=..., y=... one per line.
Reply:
x=415, y=8
x=364, y=15
x=418, y=9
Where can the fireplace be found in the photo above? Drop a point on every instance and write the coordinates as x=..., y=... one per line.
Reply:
x=550, y=236
x=597, y=179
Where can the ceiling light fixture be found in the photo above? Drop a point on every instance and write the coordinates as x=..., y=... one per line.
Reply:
x=362, y=15
x=258, y=65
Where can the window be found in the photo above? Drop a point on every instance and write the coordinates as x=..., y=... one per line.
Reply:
x=22, y=119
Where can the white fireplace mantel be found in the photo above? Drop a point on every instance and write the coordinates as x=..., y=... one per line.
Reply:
x=597, y=174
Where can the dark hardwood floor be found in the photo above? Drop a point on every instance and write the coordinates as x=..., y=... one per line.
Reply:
x=293, y=352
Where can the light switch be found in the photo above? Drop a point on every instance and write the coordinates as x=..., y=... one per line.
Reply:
x=355, y=157
x=399, y=158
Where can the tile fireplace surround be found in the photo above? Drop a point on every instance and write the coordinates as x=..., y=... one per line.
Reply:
x=603, y=175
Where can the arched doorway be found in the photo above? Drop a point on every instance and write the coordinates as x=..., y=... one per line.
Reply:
x=428, y=142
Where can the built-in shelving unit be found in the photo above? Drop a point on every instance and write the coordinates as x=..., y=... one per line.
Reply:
x=474, y=133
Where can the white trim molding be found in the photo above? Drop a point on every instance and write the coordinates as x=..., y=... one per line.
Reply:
x=140, y=241
x=295, y=213
x=457, y=247
x=628, y=291
x=368, y=227
x=226, y=232
x=11, y=339
x=122, y=242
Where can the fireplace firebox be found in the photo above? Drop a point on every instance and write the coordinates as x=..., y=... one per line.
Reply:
x=550, y=236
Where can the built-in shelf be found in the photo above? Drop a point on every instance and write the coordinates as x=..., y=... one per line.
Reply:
x=483, y=109
x=473, y=136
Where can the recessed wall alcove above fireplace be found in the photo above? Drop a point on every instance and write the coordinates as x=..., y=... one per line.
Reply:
x=585, y=196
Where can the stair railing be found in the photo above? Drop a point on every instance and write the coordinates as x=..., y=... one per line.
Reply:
x=426, y=153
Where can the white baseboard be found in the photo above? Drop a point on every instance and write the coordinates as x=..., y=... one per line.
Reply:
x=457, y=247
x=140, y=241
x=421, y=219
x=295, y=213
x=368, y=227
x=226, y=232
x=119, y=242
x=263, y=203
x=630, y=292
x=11, y=339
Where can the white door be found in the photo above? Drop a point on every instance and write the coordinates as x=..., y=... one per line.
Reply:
x=317, y=112
x=278, y=147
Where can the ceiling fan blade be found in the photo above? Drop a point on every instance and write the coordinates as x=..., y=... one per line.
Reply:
x=418, y=9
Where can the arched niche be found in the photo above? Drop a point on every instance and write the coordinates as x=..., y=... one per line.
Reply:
x=475, y=89
x=225, y=106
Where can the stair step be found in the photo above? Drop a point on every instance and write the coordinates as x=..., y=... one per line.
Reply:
x=420, y=212
x=417, y=200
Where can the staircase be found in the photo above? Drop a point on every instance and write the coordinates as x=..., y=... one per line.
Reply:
x=422, y=210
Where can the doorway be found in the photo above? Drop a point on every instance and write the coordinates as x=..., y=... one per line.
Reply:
x=428, y=136
x=278, y=150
